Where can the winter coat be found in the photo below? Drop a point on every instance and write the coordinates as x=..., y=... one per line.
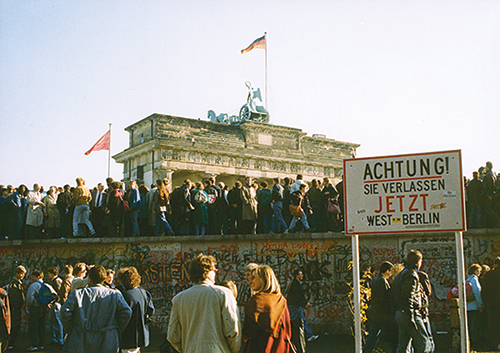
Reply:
x=136, y=334
x=94, y=316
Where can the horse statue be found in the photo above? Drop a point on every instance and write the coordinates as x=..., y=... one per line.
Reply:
x=222, y=118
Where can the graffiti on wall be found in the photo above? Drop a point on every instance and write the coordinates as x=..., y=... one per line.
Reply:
x=324, y=262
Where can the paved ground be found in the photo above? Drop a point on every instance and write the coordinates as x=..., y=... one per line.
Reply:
x=324, y=344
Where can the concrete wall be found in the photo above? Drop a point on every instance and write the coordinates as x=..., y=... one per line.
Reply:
x=324, y=259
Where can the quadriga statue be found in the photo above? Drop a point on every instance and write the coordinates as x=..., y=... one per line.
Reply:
x=253, y=110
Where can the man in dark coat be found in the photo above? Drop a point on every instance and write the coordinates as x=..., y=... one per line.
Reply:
x=490, y=294
x=329, y=193
x=213, y=192
x=16, y=303
x=297, y=301
x=235, y=209
x=475, y=201
x=491, y=218
x=381, y=312
x=98, y=210
x=180, y=200
x=64, y=202
x=408, y=302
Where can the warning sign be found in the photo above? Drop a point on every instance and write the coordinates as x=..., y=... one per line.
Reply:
x=406, y=193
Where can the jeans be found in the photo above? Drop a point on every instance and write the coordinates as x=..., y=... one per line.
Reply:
x=55, y=324
x=297, y=312
x=302, y=218
x=199, y=229
x=374, y=333
x=222, y=223
x=134, y=218
x=162, y=224
x=427, y=324
x=278, y=224
x=81, y=215
x=266, y=222
x=412, y=333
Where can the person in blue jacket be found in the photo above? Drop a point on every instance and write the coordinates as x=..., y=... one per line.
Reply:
x=475, y=306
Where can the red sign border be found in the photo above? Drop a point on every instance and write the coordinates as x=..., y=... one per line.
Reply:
x=464, y=220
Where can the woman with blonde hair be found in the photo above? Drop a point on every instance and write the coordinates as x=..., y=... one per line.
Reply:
x=266, y=328
x=162, y=208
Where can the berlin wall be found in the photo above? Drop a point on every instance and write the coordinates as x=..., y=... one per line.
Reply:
x=324, y=259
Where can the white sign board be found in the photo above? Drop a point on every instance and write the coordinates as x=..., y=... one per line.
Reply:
x=406, y=193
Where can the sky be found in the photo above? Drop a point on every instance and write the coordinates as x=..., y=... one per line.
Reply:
x=396, y=77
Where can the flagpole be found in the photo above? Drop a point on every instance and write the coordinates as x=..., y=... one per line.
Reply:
x=265, y=36
x=109, y=153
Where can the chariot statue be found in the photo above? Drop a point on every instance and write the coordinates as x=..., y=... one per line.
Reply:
x=253, y=110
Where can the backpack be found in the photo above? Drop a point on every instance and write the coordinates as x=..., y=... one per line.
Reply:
x=124, y=203
x=200, y=197
x=45, y=295
x=469, y=295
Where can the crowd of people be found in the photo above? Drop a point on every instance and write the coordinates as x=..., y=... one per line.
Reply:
x=200, y=208
x=269, y=323
x=88, y=310
x=483, y=198
x=398, y=313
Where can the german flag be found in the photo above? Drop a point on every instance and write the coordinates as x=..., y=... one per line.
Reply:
x=259, y=43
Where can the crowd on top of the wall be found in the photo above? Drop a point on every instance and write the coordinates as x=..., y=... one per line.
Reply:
x=483, y=198
x=199, y=208
x=190, y=209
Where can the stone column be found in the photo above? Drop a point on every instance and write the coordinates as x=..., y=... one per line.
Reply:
x=166, y=174
x=209, y=175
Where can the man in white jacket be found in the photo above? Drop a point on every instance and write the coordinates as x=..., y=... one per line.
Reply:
x=204, y=318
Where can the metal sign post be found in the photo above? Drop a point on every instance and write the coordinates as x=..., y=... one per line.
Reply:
x=357, y=297
x=464, y=332
x=414, y=193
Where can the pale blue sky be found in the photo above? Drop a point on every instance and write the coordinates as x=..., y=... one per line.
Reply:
x=394, y=76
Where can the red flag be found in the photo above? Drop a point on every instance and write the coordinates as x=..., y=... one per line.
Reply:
x=102, y=144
